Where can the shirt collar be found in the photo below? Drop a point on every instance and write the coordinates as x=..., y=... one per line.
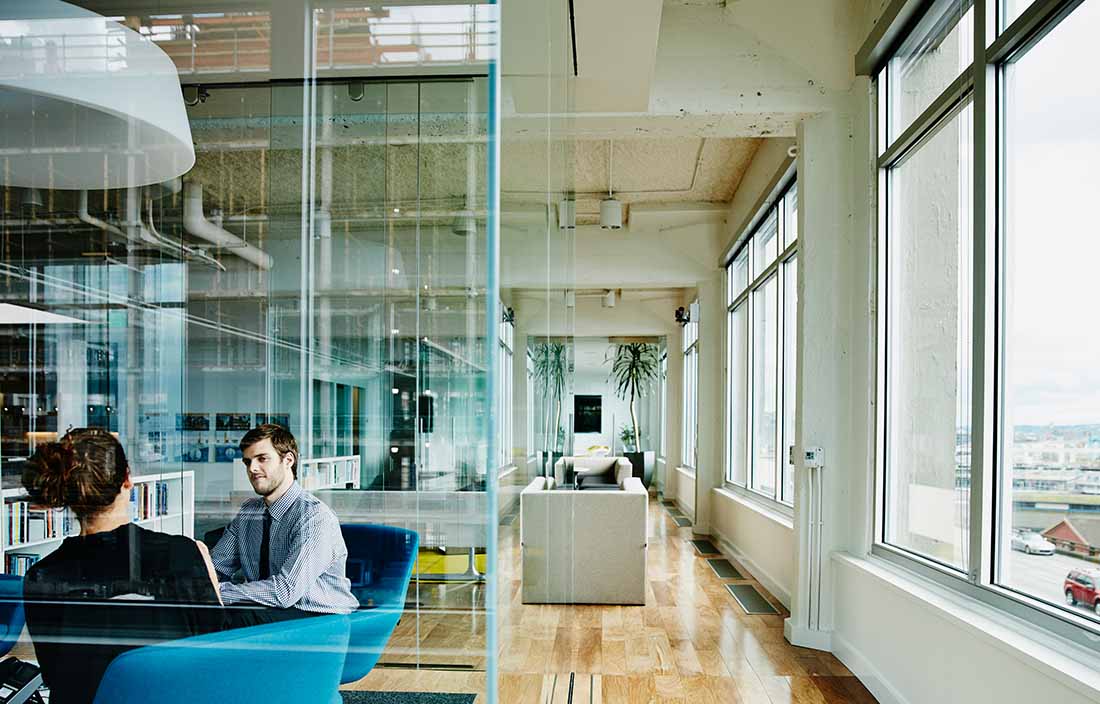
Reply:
x=285, y=501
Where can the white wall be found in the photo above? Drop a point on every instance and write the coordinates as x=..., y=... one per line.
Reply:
x=762, y=541
x=683, y=490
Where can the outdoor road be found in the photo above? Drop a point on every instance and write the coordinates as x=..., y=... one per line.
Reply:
x=1042, y=576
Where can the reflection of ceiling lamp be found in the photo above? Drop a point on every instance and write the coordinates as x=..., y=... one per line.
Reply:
x=611, y=209
x=464, y=223
x=86, y=102
x=567, y=214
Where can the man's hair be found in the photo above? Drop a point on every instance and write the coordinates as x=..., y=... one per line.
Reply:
x=281, y=439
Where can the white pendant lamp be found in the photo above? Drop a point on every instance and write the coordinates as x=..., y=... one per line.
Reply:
x=86, y=102
x=611, y=208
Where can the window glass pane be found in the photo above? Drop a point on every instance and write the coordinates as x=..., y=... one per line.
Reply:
x=790, y=350
x=928, y=347
x=1011, y=9
x=765, y=244
x=1051, y=438
x=738, y=393
x=933, y=55
x=765, y=302
x=790, y=215
x=739, y=272
x=691, y=379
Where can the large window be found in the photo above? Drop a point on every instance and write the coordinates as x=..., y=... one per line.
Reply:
x=989, y=428
x=760, y=355
x=691, y=389
x=506, y=340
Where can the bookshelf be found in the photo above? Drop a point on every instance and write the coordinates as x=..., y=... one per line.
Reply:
x=329, y=473
x=160, y=502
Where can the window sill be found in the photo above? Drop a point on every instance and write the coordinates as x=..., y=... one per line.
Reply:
x=772, y=510
x=690, y=471
x=1069, y=663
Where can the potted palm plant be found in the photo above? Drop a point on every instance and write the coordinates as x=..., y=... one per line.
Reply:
x=550, y=367
x=635, y=368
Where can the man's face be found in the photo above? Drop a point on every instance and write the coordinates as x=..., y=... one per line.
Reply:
x=266, y=469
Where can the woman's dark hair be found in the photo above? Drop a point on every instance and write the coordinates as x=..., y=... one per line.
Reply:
x=83, y=471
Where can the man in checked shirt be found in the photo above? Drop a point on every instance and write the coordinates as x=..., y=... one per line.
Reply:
x=286, y=544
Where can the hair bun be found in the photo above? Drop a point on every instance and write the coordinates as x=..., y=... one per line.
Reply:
x=47, y=473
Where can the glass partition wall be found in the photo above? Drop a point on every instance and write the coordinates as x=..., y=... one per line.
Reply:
x=326, y=265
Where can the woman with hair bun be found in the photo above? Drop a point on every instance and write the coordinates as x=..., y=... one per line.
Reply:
x=114, y=587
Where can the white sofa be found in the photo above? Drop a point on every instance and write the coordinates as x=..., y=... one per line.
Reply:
x=584, y=466
x=583, y=547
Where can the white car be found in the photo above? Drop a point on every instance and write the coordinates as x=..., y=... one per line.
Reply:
x=1032, y=544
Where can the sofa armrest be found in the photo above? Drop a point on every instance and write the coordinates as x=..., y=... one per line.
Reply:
x=559, y=470
x=634, y=484
x=623, y=470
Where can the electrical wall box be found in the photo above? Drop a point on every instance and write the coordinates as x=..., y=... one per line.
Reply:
x=813, y=457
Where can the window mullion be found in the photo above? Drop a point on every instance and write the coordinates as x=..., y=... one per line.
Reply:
x=983, y=241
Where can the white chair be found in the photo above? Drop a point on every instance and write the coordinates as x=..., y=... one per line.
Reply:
x=586, y=466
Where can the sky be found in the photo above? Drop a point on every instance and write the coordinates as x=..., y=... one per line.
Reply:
x=1053, y=281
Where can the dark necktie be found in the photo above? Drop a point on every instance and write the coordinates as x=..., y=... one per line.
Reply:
x=265, y=545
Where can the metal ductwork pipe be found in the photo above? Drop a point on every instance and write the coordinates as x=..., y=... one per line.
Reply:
x=195, y=223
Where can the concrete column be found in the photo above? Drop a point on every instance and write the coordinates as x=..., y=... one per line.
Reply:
x=831, y=409
x=710, y=450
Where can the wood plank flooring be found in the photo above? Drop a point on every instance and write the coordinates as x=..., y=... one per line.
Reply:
x=690, y=643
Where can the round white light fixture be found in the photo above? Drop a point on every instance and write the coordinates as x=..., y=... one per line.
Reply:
x=611, y=214
x=86, y=102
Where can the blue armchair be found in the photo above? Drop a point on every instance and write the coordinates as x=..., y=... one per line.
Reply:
x=380, y=565
x=288, y=661
x=11, y=611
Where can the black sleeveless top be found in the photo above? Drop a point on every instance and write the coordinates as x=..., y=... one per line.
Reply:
x=100, y=595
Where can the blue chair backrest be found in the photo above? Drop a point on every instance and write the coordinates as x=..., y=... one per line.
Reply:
x=289, y=661
x=380, y=564
x=11, y=611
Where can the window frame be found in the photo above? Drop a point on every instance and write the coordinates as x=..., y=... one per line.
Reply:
x=786, y=252
x=995, y=46
x=689, y=447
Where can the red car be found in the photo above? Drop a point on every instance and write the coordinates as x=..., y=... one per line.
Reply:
x=1081, y=588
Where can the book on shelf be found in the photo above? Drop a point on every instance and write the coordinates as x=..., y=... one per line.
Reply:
x=149, y=500
x=26, y=523
x=19, y=562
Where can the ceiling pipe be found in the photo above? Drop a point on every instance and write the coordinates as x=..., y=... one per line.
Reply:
x=149, y=234
x=196, y=224
x=85, y=217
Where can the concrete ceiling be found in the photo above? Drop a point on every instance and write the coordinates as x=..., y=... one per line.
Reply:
x=638, y=171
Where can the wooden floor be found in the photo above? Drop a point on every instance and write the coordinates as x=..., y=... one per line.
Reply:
x=690, y=643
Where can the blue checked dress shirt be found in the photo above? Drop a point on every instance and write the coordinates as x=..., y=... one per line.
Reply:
x=307, y=556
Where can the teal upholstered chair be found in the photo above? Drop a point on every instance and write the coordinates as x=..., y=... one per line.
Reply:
x=290, y=661
x=11, y=611
x=380, y=565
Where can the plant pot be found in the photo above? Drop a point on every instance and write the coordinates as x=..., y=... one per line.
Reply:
x=643, y=463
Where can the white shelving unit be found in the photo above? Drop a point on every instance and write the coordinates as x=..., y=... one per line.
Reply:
x=178, y=517
x=329, y=473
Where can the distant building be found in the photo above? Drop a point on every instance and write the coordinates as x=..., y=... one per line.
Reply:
x=1079, y=535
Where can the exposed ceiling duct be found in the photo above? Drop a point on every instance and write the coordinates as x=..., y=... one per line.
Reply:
x=195, y=223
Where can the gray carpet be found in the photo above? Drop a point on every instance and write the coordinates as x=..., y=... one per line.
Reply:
x=406, y=698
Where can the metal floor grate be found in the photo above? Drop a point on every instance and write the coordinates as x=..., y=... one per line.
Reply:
x=705, y=547
x=750, y=599
x=723, y=569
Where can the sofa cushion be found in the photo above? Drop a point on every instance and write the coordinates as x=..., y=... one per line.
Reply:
x=598, y=481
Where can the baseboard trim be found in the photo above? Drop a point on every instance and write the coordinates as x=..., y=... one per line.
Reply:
x=755, y=571
x=867, y=673
x=807, y=638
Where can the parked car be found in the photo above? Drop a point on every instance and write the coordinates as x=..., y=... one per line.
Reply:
x=1032, y=544
x=1080, y=588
